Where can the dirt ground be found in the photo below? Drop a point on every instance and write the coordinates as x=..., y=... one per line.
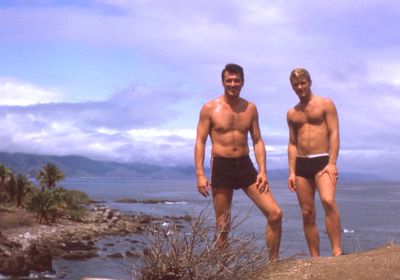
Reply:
x=378, y=264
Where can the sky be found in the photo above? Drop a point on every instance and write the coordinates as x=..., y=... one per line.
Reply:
x=124, y=80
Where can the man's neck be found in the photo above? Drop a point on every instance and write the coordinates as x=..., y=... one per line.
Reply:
x=231, y=100
x=307, y=99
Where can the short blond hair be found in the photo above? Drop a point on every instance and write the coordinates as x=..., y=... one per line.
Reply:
x=299, y=73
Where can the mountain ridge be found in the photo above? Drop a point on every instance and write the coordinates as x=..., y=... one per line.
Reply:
x=80, y=166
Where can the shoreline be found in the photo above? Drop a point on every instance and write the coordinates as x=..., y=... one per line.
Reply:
x=33, y=248
x=27, y=249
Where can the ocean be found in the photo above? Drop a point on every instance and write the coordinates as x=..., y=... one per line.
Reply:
x=369, y=218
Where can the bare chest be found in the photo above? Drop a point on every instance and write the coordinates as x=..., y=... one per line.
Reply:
x=310, y=116
x=226, y=121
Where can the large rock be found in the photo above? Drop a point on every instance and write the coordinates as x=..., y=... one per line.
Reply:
x=78, y=245
x=79, y=255
x=36, y=258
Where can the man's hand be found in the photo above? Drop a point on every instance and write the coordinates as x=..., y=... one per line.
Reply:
x=203, y=186
x=332, y=171
x=292, y=182
x=262, y=183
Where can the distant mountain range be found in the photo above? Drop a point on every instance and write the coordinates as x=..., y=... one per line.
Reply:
x=78, y=166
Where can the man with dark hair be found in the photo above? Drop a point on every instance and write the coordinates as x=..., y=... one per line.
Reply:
x=228, y=120
x=232, y=68
x=312, y=153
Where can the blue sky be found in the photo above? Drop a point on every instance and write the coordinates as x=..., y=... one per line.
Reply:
x=124, y=80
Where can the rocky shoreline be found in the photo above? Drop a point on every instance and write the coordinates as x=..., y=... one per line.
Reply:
x=32, y=249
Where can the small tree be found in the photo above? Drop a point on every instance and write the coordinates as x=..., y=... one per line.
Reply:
x=40, y=203
x=59, y=205
x=22, y=187
x=49, y=176
x=76, y=201
x=11, y=187
x=5, y=173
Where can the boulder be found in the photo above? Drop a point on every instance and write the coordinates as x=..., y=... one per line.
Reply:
x=35, y=258
x=79, y=255
x=115, y=256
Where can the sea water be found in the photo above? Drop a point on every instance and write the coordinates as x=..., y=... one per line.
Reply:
x=369, y=217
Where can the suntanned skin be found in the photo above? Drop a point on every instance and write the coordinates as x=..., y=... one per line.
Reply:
x=227, y=120
x=314, y=129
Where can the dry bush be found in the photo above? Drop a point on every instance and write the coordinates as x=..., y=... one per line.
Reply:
x=14, y=218
x=192, y=254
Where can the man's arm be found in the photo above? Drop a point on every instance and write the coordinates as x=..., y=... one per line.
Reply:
x=292, y=154
x=332, y=122
x=260, y=154
x=203, y=129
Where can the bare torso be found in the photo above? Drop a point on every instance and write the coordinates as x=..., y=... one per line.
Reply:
x=310, y=127
x=229, y=126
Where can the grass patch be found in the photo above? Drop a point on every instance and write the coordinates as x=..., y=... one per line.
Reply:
x=11, y=218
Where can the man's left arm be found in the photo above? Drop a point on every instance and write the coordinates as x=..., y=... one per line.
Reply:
x=260, y=154
x=332, y=122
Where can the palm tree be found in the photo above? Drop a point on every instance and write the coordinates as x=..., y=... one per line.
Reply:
x=23, y=187
x=4, y=175
x=40, y=203
x=49, y=176
x=11, y=187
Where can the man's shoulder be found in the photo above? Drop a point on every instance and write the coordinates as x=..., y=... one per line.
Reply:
x=210, y=106
x=212, y=103
x=290, y=113
x=323, y=99
x=248, y=103
x=325, y=102
x=293, y=109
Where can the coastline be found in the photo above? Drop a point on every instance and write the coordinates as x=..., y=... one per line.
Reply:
x=27, y=249
x=32, y=248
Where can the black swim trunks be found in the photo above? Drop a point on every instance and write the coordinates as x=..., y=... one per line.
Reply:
x=233, y=173
x=308, y=167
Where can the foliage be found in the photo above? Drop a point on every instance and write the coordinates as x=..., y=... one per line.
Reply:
x=50, y=202
x=11, y=187
x=49, y=176
x=5, y=174
x=41, y=204
x=193, y=255
x=75, y=201
x=22, y=187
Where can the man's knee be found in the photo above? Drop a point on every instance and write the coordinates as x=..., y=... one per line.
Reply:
x=329, y=204
x=275, y=217
x=308, y=215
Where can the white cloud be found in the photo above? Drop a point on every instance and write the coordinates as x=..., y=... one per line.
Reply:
x=149, y=133
x=18, y=93
x=349, y=48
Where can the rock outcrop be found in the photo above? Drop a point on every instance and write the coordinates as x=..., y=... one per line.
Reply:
x=24, y=250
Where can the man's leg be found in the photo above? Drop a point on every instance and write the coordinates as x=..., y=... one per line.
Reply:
x=327, y=192
x=267, y=204
x=222, y=198
x=305, y=190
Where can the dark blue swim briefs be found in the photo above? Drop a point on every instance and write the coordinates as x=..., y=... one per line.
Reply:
x=233, y=173
x=309, y=167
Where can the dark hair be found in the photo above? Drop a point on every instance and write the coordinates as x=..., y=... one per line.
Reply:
x=232, y=68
